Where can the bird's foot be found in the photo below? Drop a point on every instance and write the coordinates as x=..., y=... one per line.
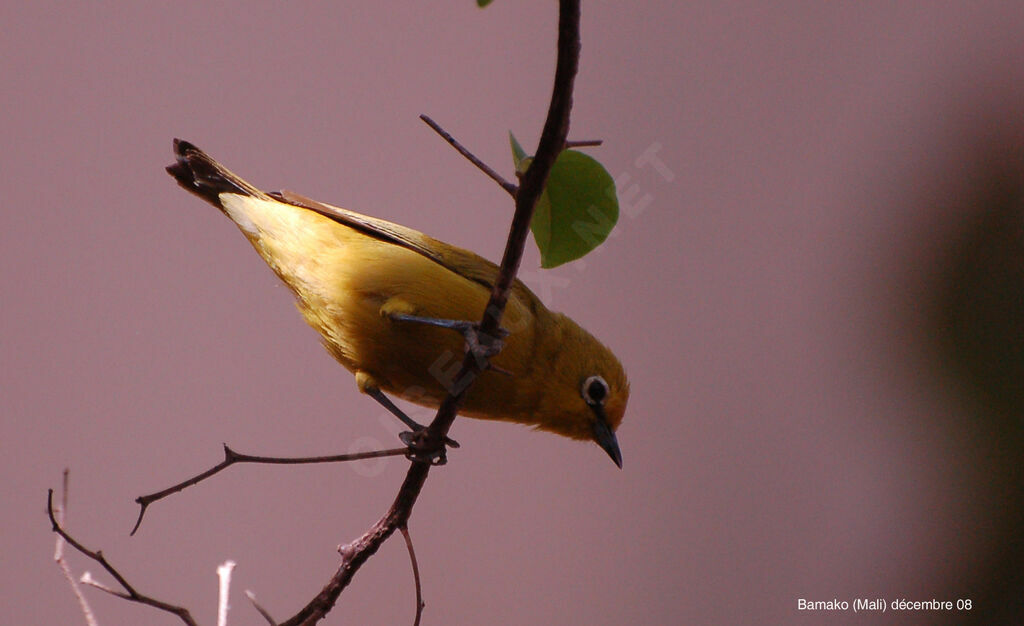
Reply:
x=416, y=427
x=425, y=450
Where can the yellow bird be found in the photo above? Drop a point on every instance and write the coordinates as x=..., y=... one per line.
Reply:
x=385, y=298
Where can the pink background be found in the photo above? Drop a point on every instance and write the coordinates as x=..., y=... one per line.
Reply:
x=789, y=435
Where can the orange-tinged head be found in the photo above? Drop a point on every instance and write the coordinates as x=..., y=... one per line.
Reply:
x=585, y=390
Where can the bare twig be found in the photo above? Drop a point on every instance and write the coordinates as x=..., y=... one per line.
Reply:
x=58, y=556
x=231, y=457
x=223, y=592
x=486, y=169
x=552, y=142
x=415, y=574
x=584, y=143
x=129, y=592
x=353, y=555
x=262, y=611
x=89, y=581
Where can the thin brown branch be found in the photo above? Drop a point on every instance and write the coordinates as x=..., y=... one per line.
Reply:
x=552, y=142
x=58, y=552
x=89, y=581
x=415, y=574
x=231, y=457
x=262, y=611
x=584, y=143
x=130, y=592
x=483, y=167
x=353, y=555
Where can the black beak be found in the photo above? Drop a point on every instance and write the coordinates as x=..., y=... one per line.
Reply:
x=604, y=436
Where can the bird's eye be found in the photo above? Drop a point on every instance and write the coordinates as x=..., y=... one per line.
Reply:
x=594, y=390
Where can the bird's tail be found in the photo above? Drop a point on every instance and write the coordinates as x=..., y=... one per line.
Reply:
x=198, y=173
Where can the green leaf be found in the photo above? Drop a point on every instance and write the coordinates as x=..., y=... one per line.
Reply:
x=582, y=208
x=540, y=225
x=483, y=3
x=577, y=209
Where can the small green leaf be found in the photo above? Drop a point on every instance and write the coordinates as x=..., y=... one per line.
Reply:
x=581, y=209
x=519, y=156
x=576, y=211
x=483, y=3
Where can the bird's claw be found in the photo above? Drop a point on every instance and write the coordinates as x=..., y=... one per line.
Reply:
x=421, y=450
x=482, y=346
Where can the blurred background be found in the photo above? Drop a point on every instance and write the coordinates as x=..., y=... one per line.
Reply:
x=816, y=286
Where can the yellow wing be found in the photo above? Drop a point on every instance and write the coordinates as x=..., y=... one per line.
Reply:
x=349, y=275
x=459, y=260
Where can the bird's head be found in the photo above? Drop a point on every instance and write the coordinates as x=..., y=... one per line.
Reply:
x=587, y=391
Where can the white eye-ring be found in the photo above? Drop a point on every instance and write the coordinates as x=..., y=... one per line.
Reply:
x=594, y=390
